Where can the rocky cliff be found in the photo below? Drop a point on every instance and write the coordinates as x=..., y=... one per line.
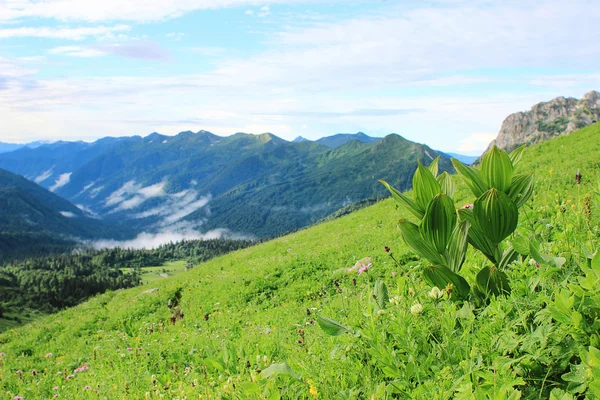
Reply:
x=546, y=120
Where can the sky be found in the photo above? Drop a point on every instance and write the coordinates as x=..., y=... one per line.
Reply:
x=445, y=73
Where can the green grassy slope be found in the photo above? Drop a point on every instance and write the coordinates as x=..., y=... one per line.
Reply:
x=256, y=308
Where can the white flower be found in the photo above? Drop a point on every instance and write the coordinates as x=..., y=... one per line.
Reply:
x=435, y=293
x=416, y=309
x=531, y=262
x=395, y=300
x=380, y=312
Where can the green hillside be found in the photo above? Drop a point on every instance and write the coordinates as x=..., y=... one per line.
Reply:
x=242, y=326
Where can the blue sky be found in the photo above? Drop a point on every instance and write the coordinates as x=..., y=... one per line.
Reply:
x=444, y=72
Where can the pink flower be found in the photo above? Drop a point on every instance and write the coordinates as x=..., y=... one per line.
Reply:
x=55, y=388
x=87, y=387
x=49, y=355
x=394, y=273
x=364, y=268
x=18, y=398
x=129, y=349
x=468, y=206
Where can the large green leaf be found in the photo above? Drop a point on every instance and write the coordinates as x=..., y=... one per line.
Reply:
x=496, y=215
x=404, y=200
x=521, y=245
x=434, y=166
x=478, y=239
x=447, y=184
x=412, y=238
x=496, y=169
x=492, y=281
x=521, y=189
x=381, y=294
x=438, y=222
x=424, y=187
x=331, y=327
x=457, y=246
x=279, y=369
x=471, y=176
x=441, y=277
x=516, y=154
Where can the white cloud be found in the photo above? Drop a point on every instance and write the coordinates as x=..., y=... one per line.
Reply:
x=68, y=214
x=153, y=240
x=62, y=180
x=265, y=11
x=43, y=176
x=61, y=33
x=249, y=12
x=76, y=51
x=131, y=10
x=476, y=143
x=131, y=195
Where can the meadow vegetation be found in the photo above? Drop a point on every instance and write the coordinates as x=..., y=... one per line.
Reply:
x=346, y=310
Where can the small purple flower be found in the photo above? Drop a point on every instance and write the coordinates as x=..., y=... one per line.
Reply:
x=18, y=398
x=129, y=349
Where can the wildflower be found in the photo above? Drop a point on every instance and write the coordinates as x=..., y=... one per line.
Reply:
x=129, y=349
x=394, y=273
x=380, y=312
x=436, y=293
x=55, y=388
x=87, y=387
x=416, y=309
x=2, y=354
x=578, y=176
x=551, y=171
x=312, y=390
x=395, y=300
x=70, y=376
x=531, y=262
x=18, y=398
x=364, y=268
x=48, y=355
x=387, y=249
x=34, y=372
x=59, y=373
x=468, y=206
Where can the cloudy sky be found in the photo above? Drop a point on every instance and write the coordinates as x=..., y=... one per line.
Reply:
x=443, y=72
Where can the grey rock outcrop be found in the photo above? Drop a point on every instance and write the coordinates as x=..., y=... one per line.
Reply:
x=546, y=120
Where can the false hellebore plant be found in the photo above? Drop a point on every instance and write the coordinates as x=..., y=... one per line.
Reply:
x=442, y=234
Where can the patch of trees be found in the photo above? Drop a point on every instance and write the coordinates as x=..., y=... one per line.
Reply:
x=53, y=282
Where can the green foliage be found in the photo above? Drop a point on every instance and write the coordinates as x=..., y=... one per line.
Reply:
x=258, y=307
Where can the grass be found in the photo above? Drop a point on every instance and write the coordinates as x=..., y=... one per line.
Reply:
x=242, y=326
x=157, y=274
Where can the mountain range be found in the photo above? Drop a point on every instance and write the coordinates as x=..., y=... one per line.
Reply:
x=253, y=185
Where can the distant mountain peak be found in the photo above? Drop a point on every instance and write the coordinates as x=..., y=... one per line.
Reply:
x=300, y=139
x=341, y=139
x=548, y=119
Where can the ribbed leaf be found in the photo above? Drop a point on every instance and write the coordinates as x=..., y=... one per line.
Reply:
x=510, y=255
x=441, y=276
x=381, y=294
x=438, y=222
x=497, y=169
x=521, y=189
x=434, y=166
x=412, y=238
x=447, y=184
x=424, y=186
x=492, y=281
x=478, y=239
x=471, y=176
x=457, y=246
x=404, y=200
x=331, y=327
x=496, y=215
x=516, y=154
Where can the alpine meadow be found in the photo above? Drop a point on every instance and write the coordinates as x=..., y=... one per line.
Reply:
x=363, y=306
x=299, y=200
